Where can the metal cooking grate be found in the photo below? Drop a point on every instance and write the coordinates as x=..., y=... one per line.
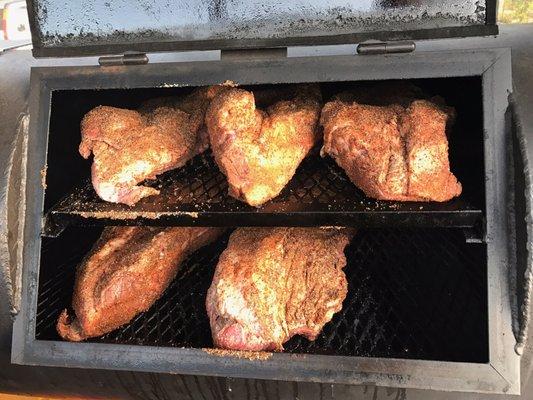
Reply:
x=319, y=194
x=412, y=294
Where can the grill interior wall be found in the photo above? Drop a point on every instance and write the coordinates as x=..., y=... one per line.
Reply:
x=418, y=293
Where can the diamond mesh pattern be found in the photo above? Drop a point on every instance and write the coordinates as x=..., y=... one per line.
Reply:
x=319, y=189
x=412, y=294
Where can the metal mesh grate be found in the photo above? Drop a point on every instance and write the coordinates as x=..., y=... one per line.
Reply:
x=412, y=294
x=320, y=193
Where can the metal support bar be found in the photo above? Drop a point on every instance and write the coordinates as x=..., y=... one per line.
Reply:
x=474, y=234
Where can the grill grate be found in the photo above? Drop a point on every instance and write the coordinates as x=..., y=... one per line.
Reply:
x=319, y=194
x=412, y=294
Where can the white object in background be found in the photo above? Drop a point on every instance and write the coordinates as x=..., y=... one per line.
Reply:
x=15, y=24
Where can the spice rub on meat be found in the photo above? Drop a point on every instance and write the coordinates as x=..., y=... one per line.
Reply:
x=392, y=152
x=127, y=270
x=273, y=283
x=131, y=146
x=259, y=150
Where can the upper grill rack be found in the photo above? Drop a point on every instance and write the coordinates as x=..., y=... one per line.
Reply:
x=417, y=293
x=320, y=193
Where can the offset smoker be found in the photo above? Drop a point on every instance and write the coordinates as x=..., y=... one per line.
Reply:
x=429, y=304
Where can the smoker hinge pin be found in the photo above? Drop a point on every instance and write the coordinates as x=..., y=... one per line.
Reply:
x=124, y=59
x=386, y=47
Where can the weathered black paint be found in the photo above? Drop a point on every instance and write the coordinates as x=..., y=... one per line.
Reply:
x=64, y=28
x=500, y=375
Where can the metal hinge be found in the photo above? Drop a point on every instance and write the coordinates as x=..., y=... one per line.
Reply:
x=127, y=58
x=386, y=47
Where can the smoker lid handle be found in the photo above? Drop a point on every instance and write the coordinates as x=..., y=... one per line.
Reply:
x=14, y=201
x=527, y=286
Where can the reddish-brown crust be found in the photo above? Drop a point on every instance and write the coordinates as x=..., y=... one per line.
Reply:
x=131, y=146
x=127, y=270
x=392, y=152
x=273, y=283
x=257, y=150
x=427, y=152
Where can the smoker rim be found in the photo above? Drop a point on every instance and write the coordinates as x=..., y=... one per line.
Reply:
x=500, y=375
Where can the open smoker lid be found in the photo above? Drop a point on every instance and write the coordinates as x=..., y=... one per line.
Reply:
x=76, y=28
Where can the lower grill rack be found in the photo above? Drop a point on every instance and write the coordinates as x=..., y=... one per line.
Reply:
x=412, y=294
